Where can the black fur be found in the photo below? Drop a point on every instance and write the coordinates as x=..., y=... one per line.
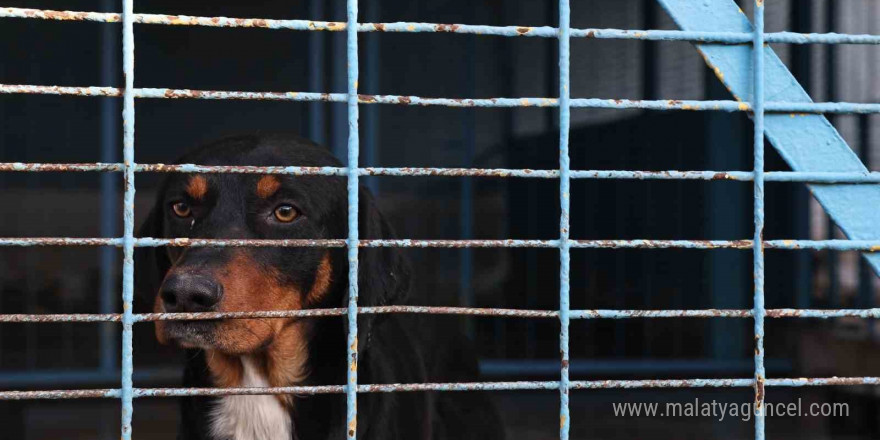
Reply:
x=392, y=348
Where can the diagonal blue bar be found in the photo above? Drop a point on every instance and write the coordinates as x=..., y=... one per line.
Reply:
x=806, y=142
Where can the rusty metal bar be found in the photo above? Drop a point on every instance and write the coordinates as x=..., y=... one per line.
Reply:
x=794, y=108
x=417, y=27
x=758, y=241
x=742, y=176
x=840, y=245
x=353, y=72
x=873, y=313
x=564, y=214
x=128, y=158
x=444, y=387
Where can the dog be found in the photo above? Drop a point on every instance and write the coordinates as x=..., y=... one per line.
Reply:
x=392, y=348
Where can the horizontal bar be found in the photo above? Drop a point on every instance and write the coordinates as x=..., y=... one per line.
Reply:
x=744, y=176
x=467, y=386
x=417, y=27
x=841, y=245
x=665, y=104
x=426, y=310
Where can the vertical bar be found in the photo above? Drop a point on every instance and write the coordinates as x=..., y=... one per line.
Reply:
x=758, y=98
x=353, y=150
x=564, y=205
x=127, y=214
x=109, y=193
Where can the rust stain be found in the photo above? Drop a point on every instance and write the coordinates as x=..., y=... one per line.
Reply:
x=379, y=27
x=523, y=30
x=759, y=392
x=446, y=27
x=404, y=100
x=367, y=98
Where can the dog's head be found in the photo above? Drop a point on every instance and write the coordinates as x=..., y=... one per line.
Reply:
x=248, y=206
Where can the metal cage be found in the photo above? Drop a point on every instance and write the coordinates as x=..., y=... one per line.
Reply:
x=731, y=45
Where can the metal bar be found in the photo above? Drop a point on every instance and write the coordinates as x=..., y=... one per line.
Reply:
x=789, y=135
x=841, y=245
x=444, y=387
x=564, y=216
x=417, y=27
x=794, y=108
x=128, y=158
x=758, y=253
x=743, y=176
x=872, y=313
x=352, y=243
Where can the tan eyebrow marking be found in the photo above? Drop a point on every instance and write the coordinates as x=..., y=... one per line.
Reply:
x=266, y=186
x=197, y=187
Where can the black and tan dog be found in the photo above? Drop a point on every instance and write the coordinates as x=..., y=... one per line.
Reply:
x=287, y=352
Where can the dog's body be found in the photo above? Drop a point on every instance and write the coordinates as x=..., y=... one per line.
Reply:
x=295, y=351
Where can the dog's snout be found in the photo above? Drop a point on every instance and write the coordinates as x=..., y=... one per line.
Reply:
x=190, y=293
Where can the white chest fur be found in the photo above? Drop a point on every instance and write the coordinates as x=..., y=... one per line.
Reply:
x=250, y=417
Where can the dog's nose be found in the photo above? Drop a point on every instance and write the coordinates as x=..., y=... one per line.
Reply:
x=190, y=293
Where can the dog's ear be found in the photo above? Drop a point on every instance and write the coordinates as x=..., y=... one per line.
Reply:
x=383, y=272
x=150, y=263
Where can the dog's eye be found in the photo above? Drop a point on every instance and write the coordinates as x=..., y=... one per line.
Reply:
x=181, y=209
x=286, y=213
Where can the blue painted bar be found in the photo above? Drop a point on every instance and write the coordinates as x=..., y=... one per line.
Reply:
x=564, y=208
x=445, y=387
x=128, y=217
x=744, y=176
x=353, y=152
x=806, y=142
x=872, y=313
x=758, y=118
x=415, y=27
x=793, y=108
x=840, y=245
